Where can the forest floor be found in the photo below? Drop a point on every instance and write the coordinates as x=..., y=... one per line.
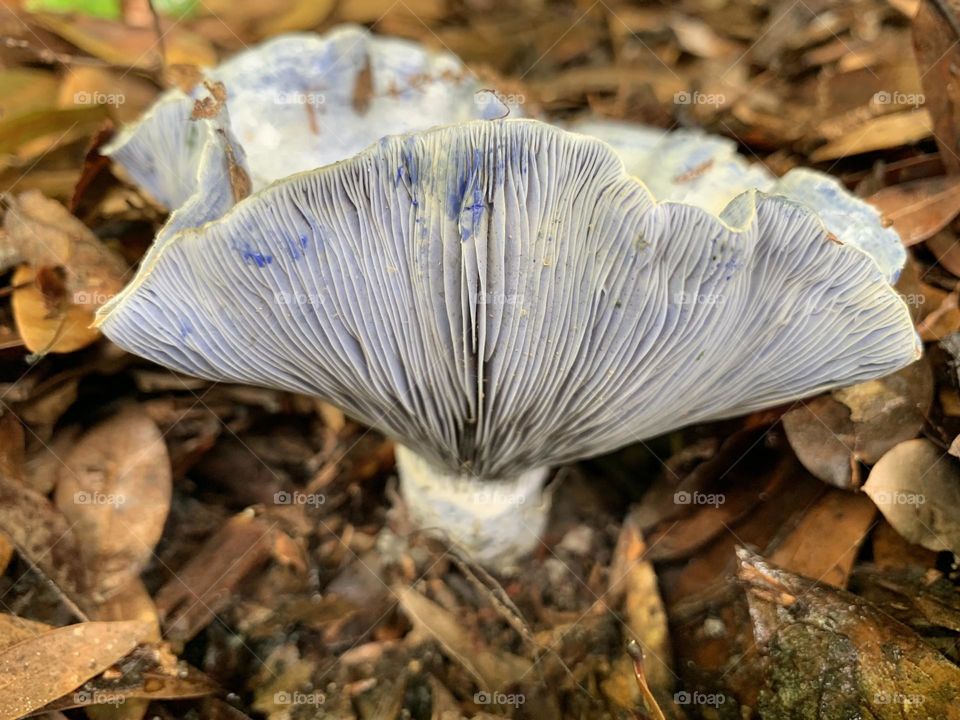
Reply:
x=749, y=559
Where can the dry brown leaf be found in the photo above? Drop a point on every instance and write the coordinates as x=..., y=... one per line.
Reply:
x=126, y=46
x=38, y=670
x=879, y=133
x=920, y=208
x=831, y=654
x=824, y=544
x=44, y=538
x=45, y=326
x=24, y=90
x=935, y=36
x=45, y=234
x=126, y=95
x=942, y=321
x=916, y=485
x=115, y=487
x=62, y=126
x=633, y=579
x=945, y=246
x=15, y=629
x=301, y=15
x=493, y=670
x=831, y=434
x=70, y=274
x=149, y=672
x=205, y=585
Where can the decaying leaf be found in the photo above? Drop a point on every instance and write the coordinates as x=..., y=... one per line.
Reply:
x=491, y=669
x=126, y=46
x=38, y=670
x=205, y=585
x=68, y=274
x=946, y=249
x=114, y=488
x=824, y=544
x=47, y=321
x=15, y=629
x=920, y=208
x=148, y=672
x=44, y=537
x=634, y=581
x=884, y=131
x=935, y=36
x=830, y=654
x=832, y=434
x=916, y=485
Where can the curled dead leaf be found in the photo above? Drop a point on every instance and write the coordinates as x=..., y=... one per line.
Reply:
x=42, y=668
x=832, y=434
x=115, y=487
x=916, y=485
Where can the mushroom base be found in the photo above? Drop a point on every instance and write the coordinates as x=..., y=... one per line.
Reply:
x=495, y=521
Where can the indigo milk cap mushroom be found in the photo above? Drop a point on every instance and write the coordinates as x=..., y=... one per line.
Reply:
x=502, y=297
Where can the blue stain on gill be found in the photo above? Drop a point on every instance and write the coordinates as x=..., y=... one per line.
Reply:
x=249, y=255
x=257, y=257
x=467, y=184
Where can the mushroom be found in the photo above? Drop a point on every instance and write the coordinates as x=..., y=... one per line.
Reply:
x=297, y=102
x=501, y=297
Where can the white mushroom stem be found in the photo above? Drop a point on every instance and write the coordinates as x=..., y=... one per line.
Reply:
x=495, y=521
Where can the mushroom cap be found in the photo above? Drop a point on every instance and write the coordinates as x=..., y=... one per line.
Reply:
x=297, y=102
x=693, y=167
x=502, y=295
